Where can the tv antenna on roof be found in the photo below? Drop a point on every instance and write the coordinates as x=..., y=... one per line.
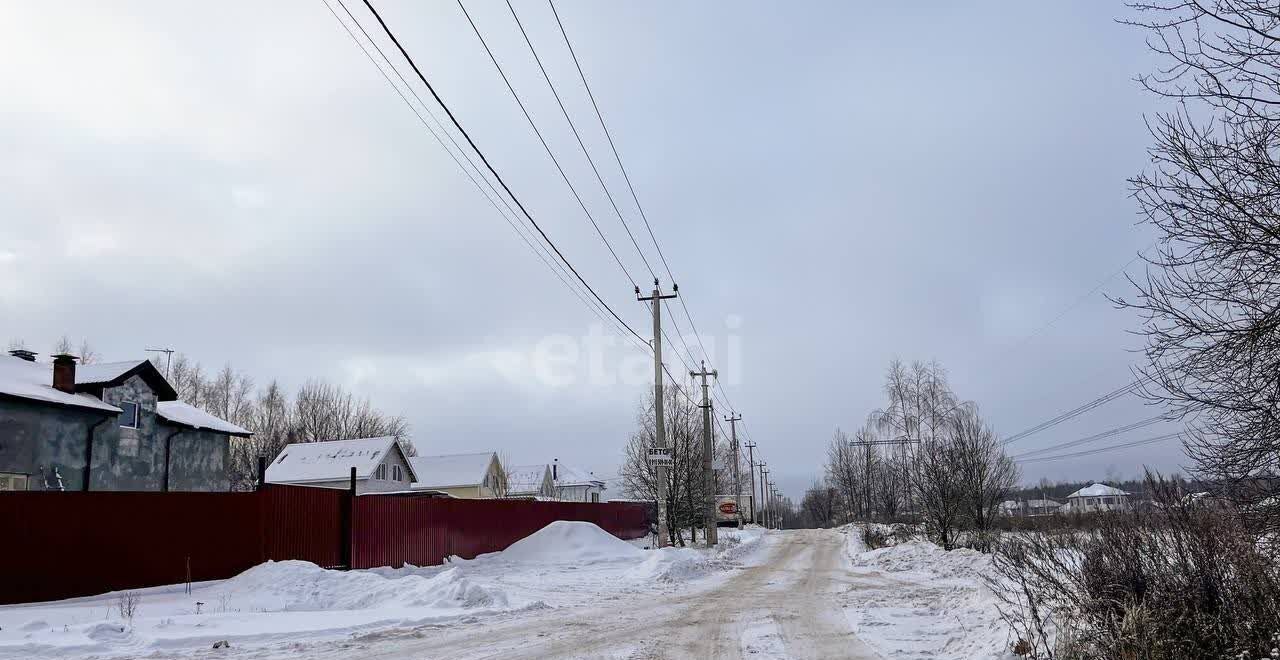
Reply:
x=168, y=359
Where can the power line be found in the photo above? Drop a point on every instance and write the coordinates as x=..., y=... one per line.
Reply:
x=1074, y=412
x=1110, y=433
x=609, y=135
x=457, y=124
x=639, y=207
x=538, y=248
x=543, y=140
x=1090, y=452
x=1078, y=301
x=583, y=146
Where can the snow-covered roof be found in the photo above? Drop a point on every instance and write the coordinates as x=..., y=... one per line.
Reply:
x=181, y=412
x=1097, y=490
x=89, y=374
x=1043, y=504
x=571, y=476
x=303, y=462
x=34, y=380
x=452, y=469
x=526, y=478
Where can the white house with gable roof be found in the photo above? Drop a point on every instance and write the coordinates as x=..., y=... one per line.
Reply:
x=576, y=485
x=1098, y=497
x=469, y=476
x=381, y=465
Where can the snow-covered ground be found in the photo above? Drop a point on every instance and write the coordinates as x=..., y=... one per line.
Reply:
x=915, y=600
x=569, y=591
x=293, y=604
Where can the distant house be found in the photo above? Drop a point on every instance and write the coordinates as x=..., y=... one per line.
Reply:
x=380, y=463
x=1098, y=497
x=575, y=485
x=468, y=476
x=1029, y=507
x=531, y=481
x=113, y=426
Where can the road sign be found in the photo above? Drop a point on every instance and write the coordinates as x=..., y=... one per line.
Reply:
x=659, y=456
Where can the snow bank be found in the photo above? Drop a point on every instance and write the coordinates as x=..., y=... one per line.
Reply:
x=303, y=586
x=570, y=541
x=916, y=600
x=280, y=604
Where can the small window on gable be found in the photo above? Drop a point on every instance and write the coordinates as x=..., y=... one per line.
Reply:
x=129, y=415
x=381, y=472
x=396, y=473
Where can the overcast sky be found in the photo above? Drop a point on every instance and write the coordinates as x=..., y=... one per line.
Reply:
x=833, y=184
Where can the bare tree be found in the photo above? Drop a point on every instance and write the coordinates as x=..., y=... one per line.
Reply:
x=685, y=483
x=986, y=474
x=1210, y=298
x=818, y=506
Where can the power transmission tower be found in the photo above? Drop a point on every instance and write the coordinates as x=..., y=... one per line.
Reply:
x=733, y=420
x=658, y=454
x=751, y=470
x=708, y=456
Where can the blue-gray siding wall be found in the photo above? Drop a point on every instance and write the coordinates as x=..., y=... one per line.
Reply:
x=48, y=442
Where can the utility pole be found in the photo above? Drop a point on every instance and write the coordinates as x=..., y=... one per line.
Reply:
x=708, y=455
x=751, y=470
x=659, y=456
x=767, y=505
x=733, y=420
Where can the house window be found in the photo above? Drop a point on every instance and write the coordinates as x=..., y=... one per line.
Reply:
x=396, y=473
x=129, y=414
x=11, y=481
x=381, y=472
x=595, y=497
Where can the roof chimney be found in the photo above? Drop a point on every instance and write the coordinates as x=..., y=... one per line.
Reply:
x=23, y=354
x=64, y=373
x=555, y=469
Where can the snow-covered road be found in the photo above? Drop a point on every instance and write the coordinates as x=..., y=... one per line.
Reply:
x=785, y=604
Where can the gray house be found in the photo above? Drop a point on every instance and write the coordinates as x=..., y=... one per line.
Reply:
x=115, y=426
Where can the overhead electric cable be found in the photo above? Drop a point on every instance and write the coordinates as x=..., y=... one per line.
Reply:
x=573, y=127
x=457, y=124
x=1090, y=452
x=528, y=117
x=1110, y=433
x=539, y=249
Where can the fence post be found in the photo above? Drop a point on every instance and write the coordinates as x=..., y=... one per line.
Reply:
x=350, y=549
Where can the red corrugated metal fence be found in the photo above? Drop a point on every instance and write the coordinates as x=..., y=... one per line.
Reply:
x=390, y=531
x=62, y=545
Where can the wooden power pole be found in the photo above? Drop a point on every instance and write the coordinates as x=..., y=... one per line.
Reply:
x=659, y=455
x=751, y=470
x=708, y=456
x=733, y=420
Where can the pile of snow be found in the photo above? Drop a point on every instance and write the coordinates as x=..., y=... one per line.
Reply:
x=916, y=600
x=570, y=541
x=925, y=557
x=303, y=586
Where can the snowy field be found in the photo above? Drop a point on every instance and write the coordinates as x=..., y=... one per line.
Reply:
x=569, y=591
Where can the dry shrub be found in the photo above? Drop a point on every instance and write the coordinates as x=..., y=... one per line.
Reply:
x=873, y=537
x=1178, y=581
